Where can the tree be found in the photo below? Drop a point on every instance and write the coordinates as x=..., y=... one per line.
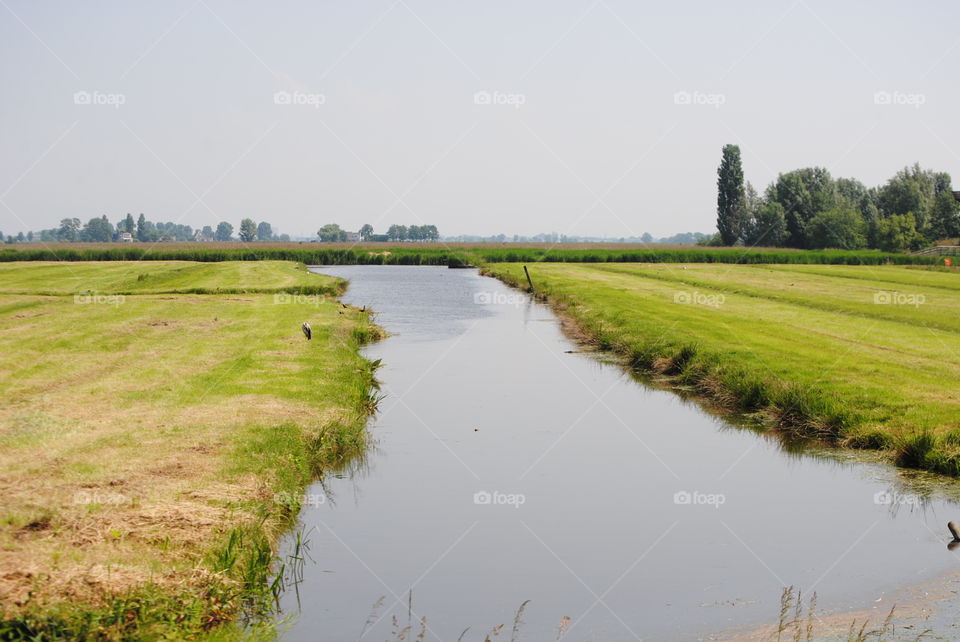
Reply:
x=264, y=231
x=29, y=236
x=98, y=230
x=766, y=226
x=397, y=233
x=142, y=228
x=224, y=231
x=331, y=233
x=21, y=238
x=803, y=193
x=366, y=231
x=731, y=197
x=69, y=230
x=430, y=233
x=841, y=228
x=207, y=231
x=898, y=233
x=128, y=224
x=248, y=230
x=944, y=220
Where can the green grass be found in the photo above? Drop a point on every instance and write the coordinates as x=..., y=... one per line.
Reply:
x=805, y=347
x=449, y=254
x=193, y=421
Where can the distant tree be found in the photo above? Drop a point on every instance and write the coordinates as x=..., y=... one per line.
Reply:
x=944, y=217
x=29, y=236
x=898, y=233
x=911, y=191
x=98, y=230
x=69, y=230
x=840, y=228
x=803, y=193
x=431, y=233
x=224, y=231
x=397, y=233
x=731, y=197
x=128, y=224
x=285, y=238
x=766, y=226
x=207, y=231
x=248, y=230
x=21, y=238
x=331, y=233
x=142, y=228
x=264, y=231
x=366, y=231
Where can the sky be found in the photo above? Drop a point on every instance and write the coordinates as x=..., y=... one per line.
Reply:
x=581, y=117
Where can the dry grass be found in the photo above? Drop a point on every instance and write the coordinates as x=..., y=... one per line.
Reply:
x=125, y=429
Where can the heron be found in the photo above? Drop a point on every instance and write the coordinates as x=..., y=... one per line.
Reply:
x=306, y=330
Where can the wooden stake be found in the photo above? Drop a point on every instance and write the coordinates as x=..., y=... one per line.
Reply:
x=529, y=280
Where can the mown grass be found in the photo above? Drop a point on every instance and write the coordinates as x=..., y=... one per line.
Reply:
x=805, y=348
x=154, y=448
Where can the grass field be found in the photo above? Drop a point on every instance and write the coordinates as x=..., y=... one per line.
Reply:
x=153, y=446
x=864, y=356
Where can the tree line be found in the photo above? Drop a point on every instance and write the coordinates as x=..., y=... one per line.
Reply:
x=809, y=209
x=101, y=230
x=333, y=233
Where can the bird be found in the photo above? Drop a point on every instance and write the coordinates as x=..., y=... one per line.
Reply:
x=307, y=332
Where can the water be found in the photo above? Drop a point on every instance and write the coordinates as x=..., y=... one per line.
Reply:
x=629, y=510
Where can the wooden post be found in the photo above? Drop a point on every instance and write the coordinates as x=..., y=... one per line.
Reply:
x=529, y=280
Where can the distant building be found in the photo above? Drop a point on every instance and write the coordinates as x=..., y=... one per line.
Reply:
x=126, y=237
x=200, y=236
x=353, y=237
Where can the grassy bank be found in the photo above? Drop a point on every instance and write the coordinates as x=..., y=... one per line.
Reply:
x=856, y=356
x=448, y=254
x=155, y=445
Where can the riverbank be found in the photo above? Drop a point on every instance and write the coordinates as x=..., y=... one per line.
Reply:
x=156, y=444
x=862, y=357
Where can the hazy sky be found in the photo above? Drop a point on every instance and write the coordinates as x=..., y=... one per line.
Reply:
x=379, y=119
